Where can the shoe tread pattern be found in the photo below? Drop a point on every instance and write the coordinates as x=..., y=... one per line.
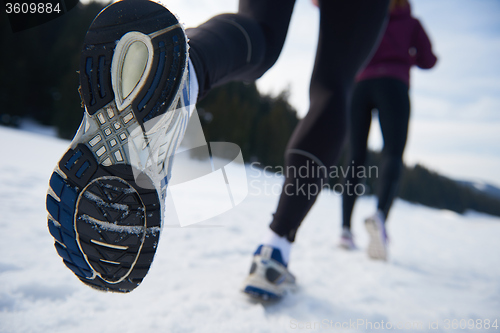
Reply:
x=115, y=254
x=169, y=59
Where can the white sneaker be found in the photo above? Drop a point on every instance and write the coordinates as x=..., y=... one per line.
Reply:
x=269, y=278
x=347, y=240
x=105, y=200
x=377, y=247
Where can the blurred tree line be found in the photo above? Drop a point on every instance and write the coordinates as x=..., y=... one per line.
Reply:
x=38, y=76
x=39, y=79
x=423, y=186
x=261, y=125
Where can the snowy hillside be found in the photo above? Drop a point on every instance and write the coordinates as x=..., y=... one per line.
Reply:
x=442, y=266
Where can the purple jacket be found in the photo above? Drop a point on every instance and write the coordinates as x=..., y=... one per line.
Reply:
x=404, y=44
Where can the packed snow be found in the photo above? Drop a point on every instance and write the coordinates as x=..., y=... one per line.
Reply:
x=443, y=270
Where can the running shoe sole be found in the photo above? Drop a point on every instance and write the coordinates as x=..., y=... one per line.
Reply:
x=377, y=248
x=105, y=214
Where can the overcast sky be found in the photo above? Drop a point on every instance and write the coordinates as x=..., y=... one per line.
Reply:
x=455, y=126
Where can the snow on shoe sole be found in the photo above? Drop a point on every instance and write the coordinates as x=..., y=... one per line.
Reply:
x=105, y=212
x=377, y=247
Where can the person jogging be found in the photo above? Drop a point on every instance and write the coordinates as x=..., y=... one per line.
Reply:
x=105, y=200
x=383, y=85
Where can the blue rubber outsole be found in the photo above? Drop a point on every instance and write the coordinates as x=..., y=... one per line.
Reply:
x=107, y=231
x=260, y=294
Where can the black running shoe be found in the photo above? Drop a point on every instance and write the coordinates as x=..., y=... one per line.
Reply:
x=106, y=195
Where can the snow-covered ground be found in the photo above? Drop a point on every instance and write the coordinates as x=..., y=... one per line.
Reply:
x=442, y=267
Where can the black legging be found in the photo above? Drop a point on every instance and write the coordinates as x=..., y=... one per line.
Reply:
x=244, y=46
x=390, y=97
